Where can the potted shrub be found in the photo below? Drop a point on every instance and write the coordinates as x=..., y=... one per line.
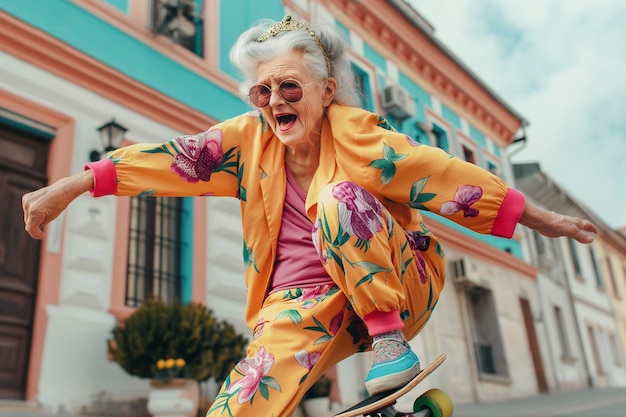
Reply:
x=176, y=346
x=316, y=401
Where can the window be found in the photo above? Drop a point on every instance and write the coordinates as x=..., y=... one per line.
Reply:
x=617, y=357
x=572, y=250
x=611, y=272
x=420, y=134
x=594, y=350
x=181, y=21
x=362, y=82
x=493, y=168
x=539, y=242
x=563, y=338
x=154, y=264
x=596, y=270
x=468, y=154
x=488, y=347
x=441, y=138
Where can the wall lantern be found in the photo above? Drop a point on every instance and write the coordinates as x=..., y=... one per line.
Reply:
x=111, y=135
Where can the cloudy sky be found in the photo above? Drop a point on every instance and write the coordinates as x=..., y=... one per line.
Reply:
x=561, y=64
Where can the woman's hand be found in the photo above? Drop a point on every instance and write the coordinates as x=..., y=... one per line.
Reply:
x=552, y=224
x=44, y=205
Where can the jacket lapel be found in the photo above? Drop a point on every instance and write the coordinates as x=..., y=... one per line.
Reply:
x=325, y=171
x=273, y=186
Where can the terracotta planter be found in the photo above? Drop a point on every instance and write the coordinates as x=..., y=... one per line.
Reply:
x=175, y=398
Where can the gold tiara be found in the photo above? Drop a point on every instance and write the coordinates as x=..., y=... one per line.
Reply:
x=289, y=24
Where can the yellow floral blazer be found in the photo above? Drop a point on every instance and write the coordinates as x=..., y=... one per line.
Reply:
x=242, y=158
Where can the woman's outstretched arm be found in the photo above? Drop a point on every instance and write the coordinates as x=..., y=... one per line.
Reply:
x=46, y=204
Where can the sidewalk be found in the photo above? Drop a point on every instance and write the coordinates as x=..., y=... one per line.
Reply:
x=582, y=402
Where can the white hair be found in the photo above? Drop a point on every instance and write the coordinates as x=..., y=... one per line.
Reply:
x=247, y=54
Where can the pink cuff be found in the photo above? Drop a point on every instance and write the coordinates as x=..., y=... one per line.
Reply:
x=379, y=322
x=104, y=177
x=509, y=214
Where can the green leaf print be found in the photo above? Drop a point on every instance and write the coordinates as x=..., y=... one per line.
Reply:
x=115, y=160
x=417, y=197
x=248, y=257
x=404, y=266
x=319, y=328
x=243, y=194
x=387, y=174
x=263, y=122
x=162, y=149
x=294, y=316
x=271, y=382
x=227, y=163
x=292, y=294
x=221, y=401
x=390, y=154
x=387, y=164
x=148, y=191
x=430, y=306
x=364, y=245
x=341, y=238
x=335, y=257
x=382, y=122
x=372, y=270
x=265, y=392
x=439, y=250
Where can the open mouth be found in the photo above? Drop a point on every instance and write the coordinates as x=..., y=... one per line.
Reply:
x=285, y=121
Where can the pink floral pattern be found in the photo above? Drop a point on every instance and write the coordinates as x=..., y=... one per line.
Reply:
x=200, y=155
x=419, y=243
x=253, y=369
x=359, y=212
x=258, y=329
x=335, y=323
x=307, y=359
x=465, y=196
x=312, y=295
x=412, y=141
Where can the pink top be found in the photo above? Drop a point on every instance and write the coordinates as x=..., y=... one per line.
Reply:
x=297, y=263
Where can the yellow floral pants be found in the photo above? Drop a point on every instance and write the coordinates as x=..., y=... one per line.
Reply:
x=376, y=266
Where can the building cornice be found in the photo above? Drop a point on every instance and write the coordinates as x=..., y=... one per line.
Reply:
x=390, y=29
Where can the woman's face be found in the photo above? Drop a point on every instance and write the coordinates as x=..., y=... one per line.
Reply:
x=295, y=123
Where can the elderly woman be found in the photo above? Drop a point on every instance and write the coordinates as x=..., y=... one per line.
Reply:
x=337, y=257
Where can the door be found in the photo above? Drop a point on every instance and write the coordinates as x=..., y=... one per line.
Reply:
x=533, y=345
x=20, y=156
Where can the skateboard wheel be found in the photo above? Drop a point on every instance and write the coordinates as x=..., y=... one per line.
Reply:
x=437, y=401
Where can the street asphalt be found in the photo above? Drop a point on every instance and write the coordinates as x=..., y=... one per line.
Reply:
x=600, y=402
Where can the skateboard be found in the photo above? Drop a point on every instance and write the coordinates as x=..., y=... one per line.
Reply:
x=433, y=403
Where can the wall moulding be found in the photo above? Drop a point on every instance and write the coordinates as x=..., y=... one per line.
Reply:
x=38, y=48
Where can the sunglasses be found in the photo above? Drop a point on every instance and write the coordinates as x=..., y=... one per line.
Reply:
x=289, y=90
